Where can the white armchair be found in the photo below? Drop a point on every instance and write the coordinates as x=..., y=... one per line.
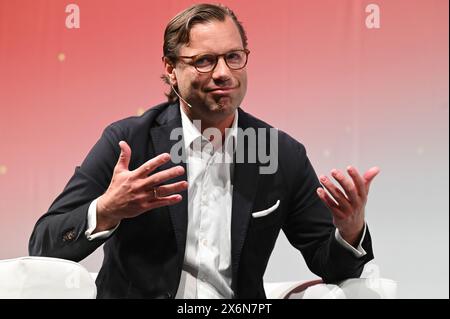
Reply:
x=53, y=278
x=355, y=288
x=45, y=278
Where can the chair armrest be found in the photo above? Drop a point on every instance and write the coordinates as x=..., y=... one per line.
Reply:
x=369, y=288
x=284, y=289
x=354, y=288
x=44, y=277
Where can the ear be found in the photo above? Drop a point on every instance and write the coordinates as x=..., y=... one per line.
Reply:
x=170, y=72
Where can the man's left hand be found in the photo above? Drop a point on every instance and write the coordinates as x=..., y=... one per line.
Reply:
x=348, y=207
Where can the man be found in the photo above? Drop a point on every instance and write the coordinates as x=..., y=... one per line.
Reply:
x=205, y=228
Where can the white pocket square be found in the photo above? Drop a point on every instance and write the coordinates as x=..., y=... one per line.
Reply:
x=267, y=211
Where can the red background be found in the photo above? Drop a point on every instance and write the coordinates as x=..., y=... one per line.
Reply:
x=349, y=93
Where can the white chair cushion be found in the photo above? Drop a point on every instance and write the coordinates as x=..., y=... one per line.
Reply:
x=355, y=288
x=44, y=277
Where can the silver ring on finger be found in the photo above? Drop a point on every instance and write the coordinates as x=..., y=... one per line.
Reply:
x=155, y=193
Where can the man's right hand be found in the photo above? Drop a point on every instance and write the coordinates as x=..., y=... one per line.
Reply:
x=132, y=193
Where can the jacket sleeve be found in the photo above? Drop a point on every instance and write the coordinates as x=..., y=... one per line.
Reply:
x=60, y=232
x=309, y=228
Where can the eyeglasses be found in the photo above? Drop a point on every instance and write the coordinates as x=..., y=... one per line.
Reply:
x=207, y=62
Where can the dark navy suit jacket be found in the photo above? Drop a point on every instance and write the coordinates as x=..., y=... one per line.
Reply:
x=144, y=256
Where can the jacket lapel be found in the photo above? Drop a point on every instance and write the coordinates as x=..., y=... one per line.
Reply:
x=245, y=182
x=169, y=120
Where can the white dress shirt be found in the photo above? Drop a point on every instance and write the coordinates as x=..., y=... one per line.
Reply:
x=207, y=261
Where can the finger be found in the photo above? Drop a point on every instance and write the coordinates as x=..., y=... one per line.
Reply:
x=149, y=166
x=124, y=157
x=330, y=203
x=164, y=201
x=347, y=184
x=170, y=189
x=160, y=177
x=358, y=180
x=370, y=175
x=337, y=194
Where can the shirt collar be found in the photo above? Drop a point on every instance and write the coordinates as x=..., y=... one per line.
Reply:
x=191, y=132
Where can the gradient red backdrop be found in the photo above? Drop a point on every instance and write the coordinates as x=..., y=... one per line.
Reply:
x=349, y=93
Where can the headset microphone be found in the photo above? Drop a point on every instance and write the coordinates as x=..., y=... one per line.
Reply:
x=173, y=88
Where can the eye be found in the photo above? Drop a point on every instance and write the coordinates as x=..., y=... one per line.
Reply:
x=234, y=56
x=205, y=60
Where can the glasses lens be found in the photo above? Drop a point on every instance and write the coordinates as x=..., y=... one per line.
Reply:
x=236, y=59
x=205, y=62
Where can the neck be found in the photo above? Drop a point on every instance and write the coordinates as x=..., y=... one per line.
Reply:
x=218, y=121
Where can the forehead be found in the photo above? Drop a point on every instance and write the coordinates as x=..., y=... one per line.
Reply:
x=213, y=36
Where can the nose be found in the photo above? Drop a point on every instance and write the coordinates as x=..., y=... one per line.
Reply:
x=221, y=72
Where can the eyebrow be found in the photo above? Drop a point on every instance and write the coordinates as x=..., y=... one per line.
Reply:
x=209, y=52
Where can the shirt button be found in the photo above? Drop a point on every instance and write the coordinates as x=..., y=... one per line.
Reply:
x=204, y=242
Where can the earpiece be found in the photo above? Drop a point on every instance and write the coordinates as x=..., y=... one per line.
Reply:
x=173, y=76
x=173, y=88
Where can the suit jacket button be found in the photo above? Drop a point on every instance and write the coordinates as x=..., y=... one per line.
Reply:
x=169, y=295
x=69, y=235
